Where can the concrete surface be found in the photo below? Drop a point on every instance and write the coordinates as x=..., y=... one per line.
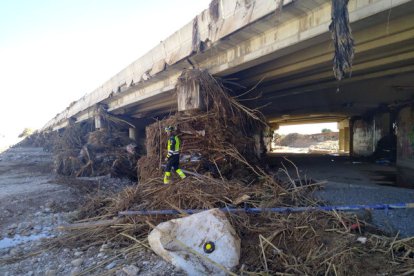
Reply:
x=358, y=182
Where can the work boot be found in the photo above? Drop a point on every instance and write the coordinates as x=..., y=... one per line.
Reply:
x=167, y=177
x=181, y=173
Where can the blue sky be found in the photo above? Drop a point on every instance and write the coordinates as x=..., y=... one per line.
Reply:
x=54, y=52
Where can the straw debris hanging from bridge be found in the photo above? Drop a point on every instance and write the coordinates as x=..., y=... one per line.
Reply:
x=342, y=38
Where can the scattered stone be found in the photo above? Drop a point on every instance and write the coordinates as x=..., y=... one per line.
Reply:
x=15, y=251
x=75, y=271
x=78, y=253
x=131, y=270
x=104, y=247
x=77, y=262
x=119, y=273
x=49, y=204
x=37, y=228
x=13, y=226
x=111, y=265
x=50, y=272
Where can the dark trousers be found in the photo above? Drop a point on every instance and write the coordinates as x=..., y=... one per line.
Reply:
x=173, y=161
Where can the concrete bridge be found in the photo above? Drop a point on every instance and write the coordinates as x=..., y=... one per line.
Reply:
x=285, y=48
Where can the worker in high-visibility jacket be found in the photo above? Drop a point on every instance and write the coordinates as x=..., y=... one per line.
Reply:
x=173, y=155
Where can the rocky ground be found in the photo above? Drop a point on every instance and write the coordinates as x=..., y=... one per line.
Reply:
x=317, y=147
x=34, y=202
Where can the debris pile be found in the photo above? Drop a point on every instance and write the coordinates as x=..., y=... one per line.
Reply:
x=298, y=243
x=311, y=243
x=213, y=140
x=39, y=139
x=105, y=151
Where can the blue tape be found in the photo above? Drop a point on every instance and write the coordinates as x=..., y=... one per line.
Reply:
x=344, y=208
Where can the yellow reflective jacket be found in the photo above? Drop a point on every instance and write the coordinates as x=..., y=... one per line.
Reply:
x=173, y=146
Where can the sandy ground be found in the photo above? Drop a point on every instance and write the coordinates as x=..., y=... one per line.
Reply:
x=34, y=201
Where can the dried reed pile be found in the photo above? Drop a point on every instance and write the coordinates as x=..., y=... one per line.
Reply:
x=79, y=151
x=215, y=136
x=39, y=139
x=290, y=244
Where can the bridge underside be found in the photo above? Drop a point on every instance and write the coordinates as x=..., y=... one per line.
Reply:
x=298, y=84
x=299, y=87
x=288, y=59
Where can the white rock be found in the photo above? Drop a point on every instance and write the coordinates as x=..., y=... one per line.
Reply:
x=77, y=262
x=78, y=253
x=131, y=270
x=362, y=240
x=194, y=231
x=104, y=247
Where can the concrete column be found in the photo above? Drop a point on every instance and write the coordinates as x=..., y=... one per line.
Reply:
x=344, y=136
x=273, y=128
x=267, y=138
x=99, y=124
x=351, y=137
x=347, y=139
x=189, y=97
x=405, y=146
x=133, y=134
x=341, y=139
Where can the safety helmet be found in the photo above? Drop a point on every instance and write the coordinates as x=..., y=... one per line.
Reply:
x=169, y=128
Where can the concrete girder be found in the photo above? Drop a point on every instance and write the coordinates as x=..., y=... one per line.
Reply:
x=324, y=78
x=321, y=55
x=300, y=26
